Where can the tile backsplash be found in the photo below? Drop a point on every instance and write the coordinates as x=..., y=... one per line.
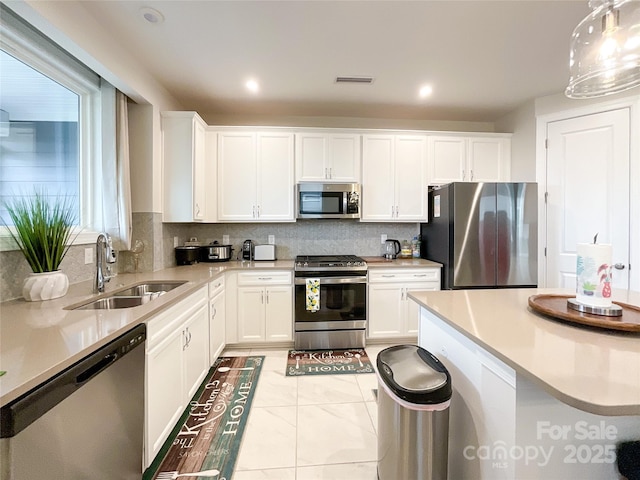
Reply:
x=308, y=237
x=305, y=237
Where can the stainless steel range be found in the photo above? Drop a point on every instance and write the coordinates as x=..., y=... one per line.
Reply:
x=330, y=302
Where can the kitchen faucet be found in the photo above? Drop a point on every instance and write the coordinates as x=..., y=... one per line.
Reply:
x=105, y=255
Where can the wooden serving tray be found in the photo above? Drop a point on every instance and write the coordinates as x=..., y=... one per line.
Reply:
x=556, y=306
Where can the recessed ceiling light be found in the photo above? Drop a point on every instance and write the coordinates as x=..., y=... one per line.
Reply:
x=252, y=86
x=151, y=15
x=425, y=91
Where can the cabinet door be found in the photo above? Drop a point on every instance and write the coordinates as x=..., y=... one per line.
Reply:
x=196, y=351
x=199, y=170
x=377, y=178
x=183, y=151
x=275, y=177
x=411, y=200
x=311, y=157
x=217, y=325
x=447, y=159
x=412, y=309
x=163, y=395
x=279, y=314
x=237, y=170
x=344, y=158
x=386, y=310
x=251, y=314
x=489, y=159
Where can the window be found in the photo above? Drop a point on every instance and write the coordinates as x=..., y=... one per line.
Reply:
x=50, y=122
x=39, y=132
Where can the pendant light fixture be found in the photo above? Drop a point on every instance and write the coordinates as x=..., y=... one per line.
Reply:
x=605, y=50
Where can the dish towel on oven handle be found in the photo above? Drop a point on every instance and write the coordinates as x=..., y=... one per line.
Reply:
x=313, y=294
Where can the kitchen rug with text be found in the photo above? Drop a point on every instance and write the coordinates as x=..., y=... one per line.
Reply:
x=206, y=439
x=328, y=362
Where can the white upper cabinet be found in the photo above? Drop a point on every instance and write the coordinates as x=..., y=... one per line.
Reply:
x=463, y=158
x=394, y=178
x=188, y=161
x=255, y=177
x=327, y=157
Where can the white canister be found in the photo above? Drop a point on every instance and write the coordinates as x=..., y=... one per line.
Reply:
x=593, y=274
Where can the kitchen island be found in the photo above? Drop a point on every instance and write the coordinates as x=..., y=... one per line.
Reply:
x=533, y=397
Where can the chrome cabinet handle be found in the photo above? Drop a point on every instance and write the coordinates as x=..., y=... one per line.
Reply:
x=397, y=212
x=619, y=266
x=267, y=297
x=471, y=175
x=464, y=174
x=213, y=314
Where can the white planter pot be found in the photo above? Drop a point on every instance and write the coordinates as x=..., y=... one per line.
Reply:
x=45, y=286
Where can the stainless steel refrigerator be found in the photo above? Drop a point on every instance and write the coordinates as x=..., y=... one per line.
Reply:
x=484, y=234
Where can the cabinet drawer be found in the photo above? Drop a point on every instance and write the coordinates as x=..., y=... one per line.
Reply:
x=216, y=286
x=164, y=323
x=265, y=277
x=404, y=275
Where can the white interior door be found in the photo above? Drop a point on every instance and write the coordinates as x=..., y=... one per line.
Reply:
x=588, y=192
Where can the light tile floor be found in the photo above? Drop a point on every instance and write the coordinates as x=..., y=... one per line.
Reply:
x=308, y=428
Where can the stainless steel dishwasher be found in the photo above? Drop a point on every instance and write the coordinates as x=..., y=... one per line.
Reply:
x=84, y=423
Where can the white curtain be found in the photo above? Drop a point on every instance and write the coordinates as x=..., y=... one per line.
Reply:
x=116, y=181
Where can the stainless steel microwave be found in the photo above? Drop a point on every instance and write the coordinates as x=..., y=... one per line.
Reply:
x=328, y=200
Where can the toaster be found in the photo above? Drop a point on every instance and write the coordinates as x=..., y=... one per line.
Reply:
x=264, y=252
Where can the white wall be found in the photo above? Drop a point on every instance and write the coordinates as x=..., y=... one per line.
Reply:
x=522, y=124
x=213, y=118
x=68, y=24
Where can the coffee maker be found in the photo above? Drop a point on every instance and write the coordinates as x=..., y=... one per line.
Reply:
x=247, y=250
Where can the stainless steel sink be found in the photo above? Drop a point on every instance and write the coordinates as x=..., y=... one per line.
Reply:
x=110, y=303
x=132, y=296
x=148, y=288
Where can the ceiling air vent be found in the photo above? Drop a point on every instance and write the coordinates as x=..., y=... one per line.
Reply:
x=366, y=80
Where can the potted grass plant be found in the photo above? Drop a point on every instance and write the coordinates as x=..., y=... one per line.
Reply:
x=43, y=229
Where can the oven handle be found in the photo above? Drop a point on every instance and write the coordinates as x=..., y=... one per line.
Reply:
x=332, y=280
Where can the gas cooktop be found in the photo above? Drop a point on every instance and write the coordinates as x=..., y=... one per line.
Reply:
x=329, y=262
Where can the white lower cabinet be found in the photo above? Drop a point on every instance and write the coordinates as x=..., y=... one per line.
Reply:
x=264, y=307
x=177, y=359
x=391, y=313
x=217, y=317
x=504, y=425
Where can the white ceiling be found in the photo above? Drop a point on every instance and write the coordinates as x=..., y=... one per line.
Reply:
x=483, y=58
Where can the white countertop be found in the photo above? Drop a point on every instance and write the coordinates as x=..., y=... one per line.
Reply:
x=40, y=339
x=381, y=262
x=595, y=370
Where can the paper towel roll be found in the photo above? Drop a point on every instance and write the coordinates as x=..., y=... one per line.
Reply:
x=593, y=274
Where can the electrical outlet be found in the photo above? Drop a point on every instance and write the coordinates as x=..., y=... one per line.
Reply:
x=383, y=238
x=225, y=239
x=272, y=240
x=176, y=242
x=88, y=256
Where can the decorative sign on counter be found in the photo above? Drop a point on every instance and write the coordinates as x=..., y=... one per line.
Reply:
x=593, y=271
x=593, y=280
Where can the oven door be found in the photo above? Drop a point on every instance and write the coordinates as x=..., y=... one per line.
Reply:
x=342, y=303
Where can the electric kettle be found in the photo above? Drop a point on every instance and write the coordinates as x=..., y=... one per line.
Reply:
x=391, y=249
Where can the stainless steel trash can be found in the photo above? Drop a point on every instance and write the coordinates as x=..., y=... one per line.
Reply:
x=414, y=392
